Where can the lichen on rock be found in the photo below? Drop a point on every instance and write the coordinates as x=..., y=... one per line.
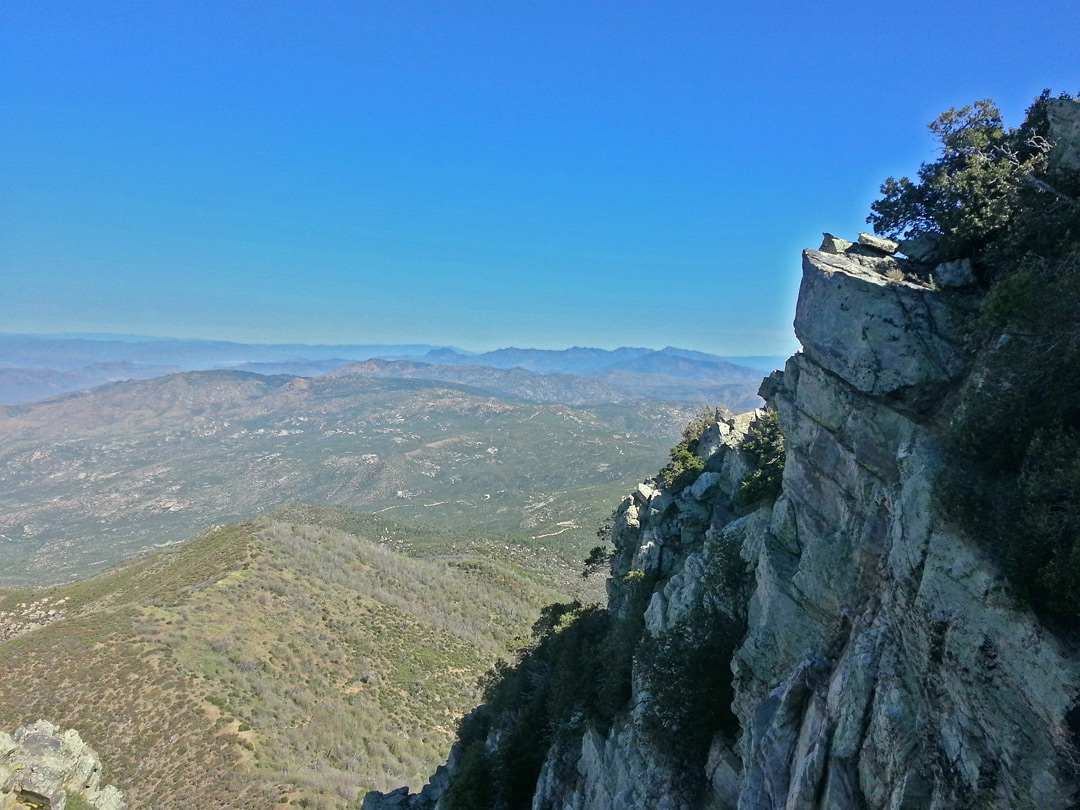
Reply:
x=42, y=766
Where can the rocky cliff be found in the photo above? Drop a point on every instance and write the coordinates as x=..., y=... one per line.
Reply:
x=881, y=660
x=43, y=768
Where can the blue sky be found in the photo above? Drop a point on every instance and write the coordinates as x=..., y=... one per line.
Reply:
x=472, y=173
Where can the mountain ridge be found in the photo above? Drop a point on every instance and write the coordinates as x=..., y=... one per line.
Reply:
x=33, y=367
x=192, y=666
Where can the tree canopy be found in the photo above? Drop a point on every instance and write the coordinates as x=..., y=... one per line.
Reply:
x=985, y=175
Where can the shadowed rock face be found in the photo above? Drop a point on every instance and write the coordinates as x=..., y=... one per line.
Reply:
x=883, y=337
x=40, y=766
x=885, y=666
x=1064, y=118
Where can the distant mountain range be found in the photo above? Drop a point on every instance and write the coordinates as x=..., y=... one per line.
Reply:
x=66, y=353
x=20, y=384
x=33, y=367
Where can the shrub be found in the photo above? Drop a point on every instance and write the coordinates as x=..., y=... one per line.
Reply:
x=687, y=671
x=972, y=193
x=764, y=447
x=600, y=556
x=726, y=581
x=1012, y=424
x=1045, y=548
x=577, y=668
x=685, y=465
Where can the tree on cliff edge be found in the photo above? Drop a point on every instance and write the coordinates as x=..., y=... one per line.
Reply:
x=1009, y=199
x=985, y=175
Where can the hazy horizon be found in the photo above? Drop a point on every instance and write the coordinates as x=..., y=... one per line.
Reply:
x=466, y=350
x=471, y=174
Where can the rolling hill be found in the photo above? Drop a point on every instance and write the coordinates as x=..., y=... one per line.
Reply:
x=301, y=657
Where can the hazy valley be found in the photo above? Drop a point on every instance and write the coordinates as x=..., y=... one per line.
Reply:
x=34, y=367
x=314, y=652
x=92, y=477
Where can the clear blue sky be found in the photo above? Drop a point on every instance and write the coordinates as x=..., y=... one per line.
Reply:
x=480, y=174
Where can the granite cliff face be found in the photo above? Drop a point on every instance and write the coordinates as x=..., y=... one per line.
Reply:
x=884, y=662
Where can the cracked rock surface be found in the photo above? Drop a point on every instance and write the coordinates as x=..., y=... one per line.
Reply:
x=42, y=766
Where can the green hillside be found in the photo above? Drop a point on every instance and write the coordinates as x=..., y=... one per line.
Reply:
x=302, y=657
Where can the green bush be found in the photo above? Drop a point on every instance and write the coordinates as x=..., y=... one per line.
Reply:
x=685, y=465
x=687, y=668
x=1011, y=425
x=687, y=671
x=764, y=447
x=576, y=669
x=726, y=581
x=683, y=469
x=1045, y=548
x=600, y=556
x=973, y=192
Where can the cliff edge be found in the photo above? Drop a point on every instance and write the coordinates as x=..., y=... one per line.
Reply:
x=841, y=641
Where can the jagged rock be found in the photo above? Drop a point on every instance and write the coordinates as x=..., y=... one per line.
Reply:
x=957, y=273
x=714, y=437
x=613, y=770
x=724, y=772
x=678, y=597
x=1064, y=117
x=705, y=485
x=886, y=246
x=883, y=337
x=394, y=800
x=834, y=244
x=40, y=766
x=925, y=248
x=770, y=385
x=644, y=492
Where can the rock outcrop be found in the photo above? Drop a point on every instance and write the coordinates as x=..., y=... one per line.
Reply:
x=1064, y=118
x=41, y=767
x=884, y=663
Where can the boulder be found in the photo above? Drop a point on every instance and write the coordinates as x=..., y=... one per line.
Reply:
x=886, y=246
x=644, y=492
x=957, y=273
x=705, y=485
x=40, y=766
x=1064, y=117
x=834, y=244
x=715, y=437
x=885, y=338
